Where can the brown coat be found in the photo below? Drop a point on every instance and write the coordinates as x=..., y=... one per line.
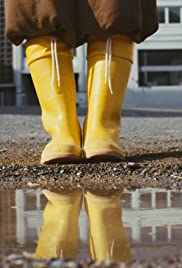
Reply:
x=73, y=21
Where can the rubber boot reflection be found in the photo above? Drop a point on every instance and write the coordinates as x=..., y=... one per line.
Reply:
x=59, y=235
x=108, y=238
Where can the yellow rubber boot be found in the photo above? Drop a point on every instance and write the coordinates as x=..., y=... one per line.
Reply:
x=47, y=60
x=59, y=235
x=106, y=86
x=108, y=238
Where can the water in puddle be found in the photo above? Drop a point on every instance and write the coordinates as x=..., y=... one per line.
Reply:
x=150, y=225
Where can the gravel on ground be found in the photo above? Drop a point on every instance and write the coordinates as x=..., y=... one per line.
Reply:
x=25, y=260
x=153, y=146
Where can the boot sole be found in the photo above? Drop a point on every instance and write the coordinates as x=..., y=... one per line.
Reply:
x=111, y=156
x=63, y=159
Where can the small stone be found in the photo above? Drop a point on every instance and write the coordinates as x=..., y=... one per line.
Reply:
x=176, y=177
x=131, y=165
x=12, y=257
x=3, y=151
x=32, y=185
x=27, y=254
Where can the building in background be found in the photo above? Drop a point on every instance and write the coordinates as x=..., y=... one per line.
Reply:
x=156, y=76
x=7, y=85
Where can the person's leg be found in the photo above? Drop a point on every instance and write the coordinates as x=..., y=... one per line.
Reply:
x=108, y=238
x=50, y=64
x=59, y=235
x=109, y=64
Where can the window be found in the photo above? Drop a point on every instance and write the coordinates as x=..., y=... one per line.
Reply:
x=174, y=15
x=161, y=14
x=6, y=70
x=160, y=68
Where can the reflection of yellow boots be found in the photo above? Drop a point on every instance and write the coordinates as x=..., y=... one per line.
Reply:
x=108, y=239
x=50, y=63
x=106, y=86
x=59, y=235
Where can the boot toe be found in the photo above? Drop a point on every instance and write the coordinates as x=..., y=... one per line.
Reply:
x=104, y=152
x=60, y=153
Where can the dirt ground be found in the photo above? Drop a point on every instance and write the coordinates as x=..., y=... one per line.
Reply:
x=152, y=142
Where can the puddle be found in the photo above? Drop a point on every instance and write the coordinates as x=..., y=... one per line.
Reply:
x=151, y=225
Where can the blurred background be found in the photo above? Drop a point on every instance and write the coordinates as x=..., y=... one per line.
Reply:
x=155, y=80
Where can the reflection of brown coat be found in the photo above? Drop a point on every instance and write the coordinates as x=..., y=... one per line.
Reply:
x=74, y=20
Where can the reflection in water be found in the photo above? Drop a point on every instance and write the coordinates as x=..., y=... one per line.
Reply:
x=107, y=236
x=152, y=218
x=59, y=236
x=107, y=239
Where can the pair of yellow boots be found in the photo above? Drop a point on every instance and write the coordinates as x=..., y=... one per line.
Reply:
x=59, y=236
x=109, y=63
